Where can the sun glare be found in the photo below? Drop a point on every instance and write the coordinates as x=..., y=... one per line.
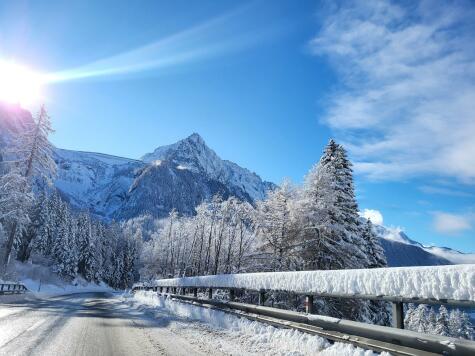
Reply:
x=19, y=84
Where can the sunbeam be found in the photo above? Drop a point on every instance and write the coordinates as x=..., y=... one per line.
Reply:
x=212, y=38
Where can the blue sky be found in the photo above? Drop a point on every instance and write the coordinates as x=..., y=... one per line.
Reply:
x=267, y=84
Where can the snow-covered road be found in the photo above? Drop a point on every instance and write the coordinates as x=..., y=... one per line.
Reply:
x=103, y=323
x=85, y=324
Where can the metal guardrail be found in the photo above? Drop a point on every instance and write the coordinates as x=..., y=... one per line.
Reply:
x=390, y=335
x=12, y=288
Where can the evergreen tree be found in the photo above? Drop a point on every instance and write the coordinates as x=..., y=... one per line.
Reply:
x=431, y=324
x=455, y=323
x=16, y=199
x=442, y=322
x=467, y=329
x=86, y=261
x=374, y=250
x=330, y=213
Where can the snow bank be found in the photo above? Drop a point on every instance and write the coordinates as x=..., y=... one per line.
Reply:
x=440, y=282
x=47, y=290
x=241, y=336
x=41, y=281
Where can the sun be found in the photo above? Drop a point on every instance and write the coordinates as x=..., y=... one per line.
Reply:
x=19, y=84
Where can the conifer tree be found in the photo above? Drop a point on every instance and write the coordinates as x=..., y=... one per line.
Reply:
x=442, y=322
x=374, y=250
x=330, y=213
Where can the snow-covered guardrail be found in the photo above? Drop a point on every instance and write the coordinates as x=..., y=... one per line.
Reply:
x=12, y=288
x=450, y=285
x=454, y=282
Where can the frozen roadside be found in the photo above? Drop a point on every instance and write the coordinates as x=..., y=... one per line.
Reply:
x=42, y=282
x=233, y=335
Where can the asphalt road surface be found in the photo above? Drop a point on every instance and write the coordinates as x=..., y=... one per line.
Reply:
x=86, y=324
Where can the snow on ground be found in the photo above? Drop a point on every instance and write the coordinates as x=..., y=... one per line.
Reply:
x=40, y=289
x=233, y=335
x=41, y=281
x=440, y=282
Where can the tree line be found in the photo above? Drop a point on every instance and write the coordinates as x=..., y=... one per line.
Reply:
x=34, y=220
x=315, y=226
x=428, y=320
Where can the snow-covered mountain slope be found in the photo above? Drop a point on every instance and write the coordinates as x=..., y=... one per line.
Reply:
x=179, y=176
x=399, y=254
x=192, y=153
x=160, y=187
x=402, y=251
x=94, y=181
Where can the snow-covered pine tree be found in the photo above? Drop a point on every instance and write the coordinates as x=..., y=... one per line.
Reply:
x=455, y=323
x=330, y=213
x=421, y=319
x=467, y=331
x=65, y=250
x=431, y=323
x=374, y=250
x=131, y=248
x=87, y=265
x=442, y=322
x=459, y=325
x=38, y=214
x=15, y=201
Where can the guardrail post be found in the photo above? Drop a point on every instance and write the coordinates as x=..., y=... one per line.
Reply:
x=262, y=297
x=174, y=290
x=210, y=293
x=231, y=294
x=398, y=315
x=309, y=304
x=161, y=290
x=195, y=292
x=182, y=291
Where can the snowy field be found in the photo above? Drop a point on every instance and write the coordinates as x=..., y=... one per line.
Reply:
x=232, y=335
x=440, y=282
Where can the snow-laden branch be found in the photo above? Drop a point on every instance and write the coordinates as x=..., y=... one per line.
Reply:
x=455, y=282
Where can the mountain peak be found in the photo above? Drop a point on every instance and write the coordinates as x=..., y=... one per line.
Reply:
x=196, y=138
x=193, y=154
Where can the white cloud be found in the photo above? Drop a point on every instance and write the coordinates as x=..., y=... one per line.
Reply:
x=446, y=223
x=374, y=215
x=407, y=103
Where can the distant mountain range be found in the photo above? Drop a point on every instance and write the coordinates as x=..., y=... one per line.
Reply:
x=178, y=176
x=181, y=176
x=402, y=251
